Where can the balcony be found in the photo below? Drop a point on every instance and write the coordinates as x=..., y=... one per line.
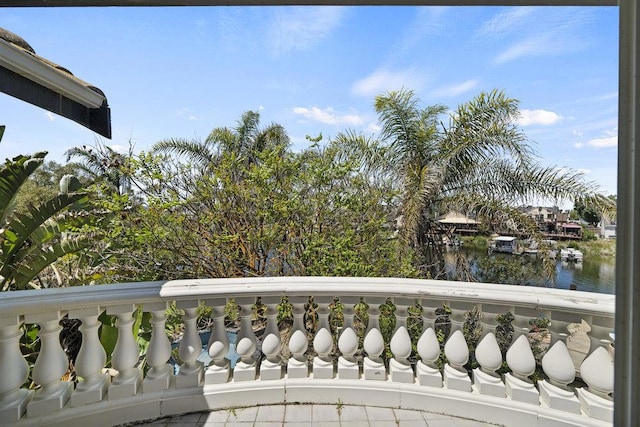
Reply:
x=455, y=364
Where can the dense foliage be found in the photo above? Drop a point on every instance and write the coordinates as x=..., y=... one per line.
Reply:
x=243, y=203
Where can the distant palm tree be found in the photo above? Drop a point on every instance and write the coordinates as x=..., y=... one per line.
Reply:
x=102, y=164
x=243, y=143
x=480, y=163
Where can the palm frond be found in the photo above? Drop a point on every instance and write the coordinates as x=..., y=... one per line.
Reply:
x=197, y=152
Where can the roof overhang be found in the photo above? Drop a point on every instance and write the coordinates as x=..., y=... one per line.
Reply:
x=35, y=80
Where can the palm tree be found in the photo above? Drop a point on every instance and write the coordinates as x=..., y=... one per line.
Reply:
x=243, y=143
x=480, y=163
x=103, y=164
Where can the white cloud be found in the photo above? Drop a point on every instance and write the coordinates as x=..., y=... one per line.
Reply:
x=533, y=32
x=610, y=141
x=295, y=28
x=185, y=113
x=505, y=22
x=578, y=145
x=50, y=116
x=455, y=90
x=576, y=132
x=385, y=80
x=119, y=148
x=538, y=117
x=374, y=128
x=328, y=116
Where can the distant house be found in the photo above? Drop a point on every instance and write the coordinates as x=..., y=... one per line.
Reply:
x=571, y=228
x=461, y=223
x=546, y=217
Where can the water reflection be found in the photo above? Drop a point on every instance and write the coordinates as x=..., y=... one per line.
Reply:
x=592, y=275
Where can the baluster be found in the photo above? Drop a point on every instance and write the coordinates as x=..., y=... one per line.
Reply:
x=558, y=366
x=160, y=374
x=488, y=355
x=521, y=360
x=597, y=371
x=348, y=367
x=271, y=366
x=125, y=355
x=373, y=365
x=455, y=375
x=400, y=368
x=428, y=347
x=191, y=371
x=14, y=369
x=218, y=346
x=297, y=366
x=50, y=366
x=323, y=341
x=245, y=369
x=93, y=384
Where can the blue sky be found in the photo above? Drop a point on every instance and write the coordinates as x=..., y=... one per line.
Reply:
x=180, y=72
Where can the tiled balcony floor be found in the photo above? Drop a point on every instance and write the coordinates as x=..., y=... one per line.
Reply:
x=313, y=415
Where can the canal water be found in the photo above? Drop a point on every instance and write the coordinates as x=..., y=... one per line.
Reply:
x=592, y=275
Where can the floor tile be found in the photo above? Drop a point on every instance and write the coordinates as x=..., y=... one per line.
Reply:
x=268, y=424
x=408, y=415
x=298, y=413
x=468, y=423
x=324, y=424
x=353, y=413
x=215, y=416
x=243, y=414
x=442, y=423
x=271, y=413
x=386, y=423
x=380, y=414
x=412, y=423
x=326, y=413
x=434, y=416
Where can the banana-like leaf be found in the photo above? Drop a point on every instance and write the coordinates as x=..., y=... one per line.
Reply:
x=22, y=229
x=13, y=174
x=31, y=267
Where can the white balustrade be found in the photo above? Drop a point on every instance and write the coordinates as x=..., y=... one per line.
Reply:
x=51, y=365
x=521, y=360
x=488, y=355
x=400, y=369
x=456, y=350
x=336, y=358
x=246, y=344
x=191, y=372
x=218, y=370
x=348, y=367
x=125, y=356
x=160, y=372
x=15, y=370
x=323, y=341
x=297, y=366
x=373, y=365
x=427, y=371
x=93, y=384
x=271, y=366
x=558, y=365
